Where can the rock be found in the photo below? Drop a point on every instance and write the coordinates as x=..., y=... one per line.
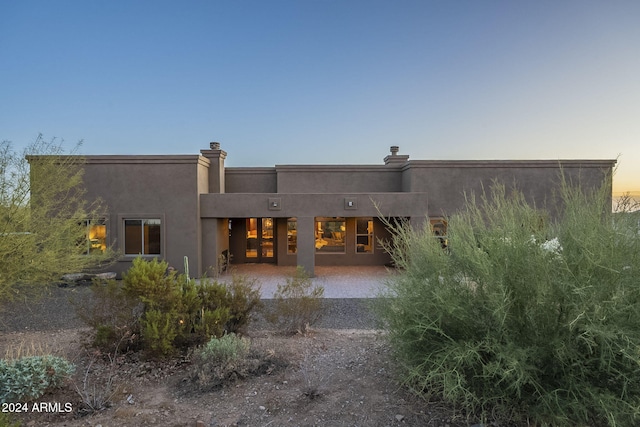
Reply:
x=400, y=418
x=73, y=277
x=79, y=278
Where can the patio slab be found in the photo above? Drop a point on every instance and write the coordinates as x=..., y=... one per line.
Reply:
x=338, y=281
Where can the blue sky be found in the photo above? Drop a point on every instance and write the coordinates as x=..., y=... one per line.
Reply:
x=322, y=81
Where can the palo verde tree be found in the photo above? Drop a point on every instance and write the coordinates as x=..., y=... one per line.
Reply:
x=525, y=318
x=43, y=217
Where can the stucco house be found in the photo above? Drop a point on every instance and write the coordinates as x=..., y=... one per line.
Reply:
x=172, y=206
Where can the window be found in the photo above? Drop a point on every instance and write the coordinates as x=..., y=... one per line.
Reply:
x=364, y=235
x=252, y=238
x=260, y=238
x=439, y=229
x=142, y=236
x=330, y=235
x=96, y=232
x=292, y=235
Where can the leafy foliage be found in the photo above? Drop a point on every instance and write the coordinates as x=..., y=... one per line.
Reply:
x=162, y=311
x=42, y=214
x=523, y=318
x=30, y=377
x=298, y=304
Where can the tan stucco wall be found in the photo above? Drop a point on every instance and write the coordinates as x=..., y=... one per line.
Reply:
x=194, y=205
x=151, y=186
x=446, y=182
x=251, y=180
x=338, y=179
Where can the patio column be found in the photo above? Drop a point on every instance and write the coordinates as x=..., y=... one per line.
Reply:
x=306, y=256
x=214, y=238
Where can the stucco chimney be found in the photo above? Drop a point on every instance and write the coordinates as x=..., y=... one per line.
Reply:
x=394, y=158
x=216, y=168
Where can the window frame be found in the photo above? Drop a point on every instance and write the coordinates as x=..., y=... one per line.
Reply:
x=141, y=217
x=443, y=238
x=370, y=235
x=320, y=240
x=292, y=235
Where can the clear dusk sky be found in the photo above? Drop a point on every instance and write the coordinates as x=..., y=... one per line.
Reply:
x=324, y=81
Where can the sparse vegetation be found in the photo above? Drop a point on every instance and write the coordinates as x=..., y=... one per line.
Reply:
x=298, y=304
x=524, y=319
x=97, y=395
x=163, y=312
x=228, y=358
x=228, y=348
x=314, y=381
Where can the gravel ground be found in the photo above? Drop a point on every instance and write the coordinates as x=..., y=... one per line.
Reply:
x=348, y=291
x=58, y=307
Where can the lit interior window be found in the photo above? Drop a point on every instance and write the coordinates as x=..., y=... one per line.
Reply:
x=439, y=229
x=330, y=235
x=364, y=235
x=292, y=235
x=96, y=236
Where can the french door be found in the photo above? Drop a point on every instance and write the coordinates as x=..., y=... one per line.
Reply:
x=260, y=240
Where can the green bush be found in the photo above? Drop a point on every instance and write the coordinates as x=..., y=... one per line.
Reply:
x=523, y=318
x=223, y=360
x=166, y=310
x=159, y=330
x=151, y=283
x=297, y=304
x=30, y=377
x=228, y=348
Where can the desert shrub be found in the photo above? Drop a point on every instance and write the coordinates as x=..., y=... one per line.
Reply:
x=202, y=312
x=223, y=360
x=100, y=384
x=228, y=348
x=163, y=312
x=151, y=283
x=114, y=317
x=243, y=300
x=524, y=318
x=297, y=304
x=28, y=378
x=159, y=330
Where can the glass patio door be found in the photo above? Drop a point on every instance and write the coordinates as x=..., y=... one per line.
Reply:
x=260, y=240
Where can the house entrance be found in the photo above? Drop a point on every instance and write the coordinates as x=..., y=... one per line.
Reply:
x=260, y=243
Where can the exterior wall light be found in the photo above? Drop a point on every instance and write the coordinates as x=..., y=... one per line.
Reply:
x=275, y=204
x=351, y=203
